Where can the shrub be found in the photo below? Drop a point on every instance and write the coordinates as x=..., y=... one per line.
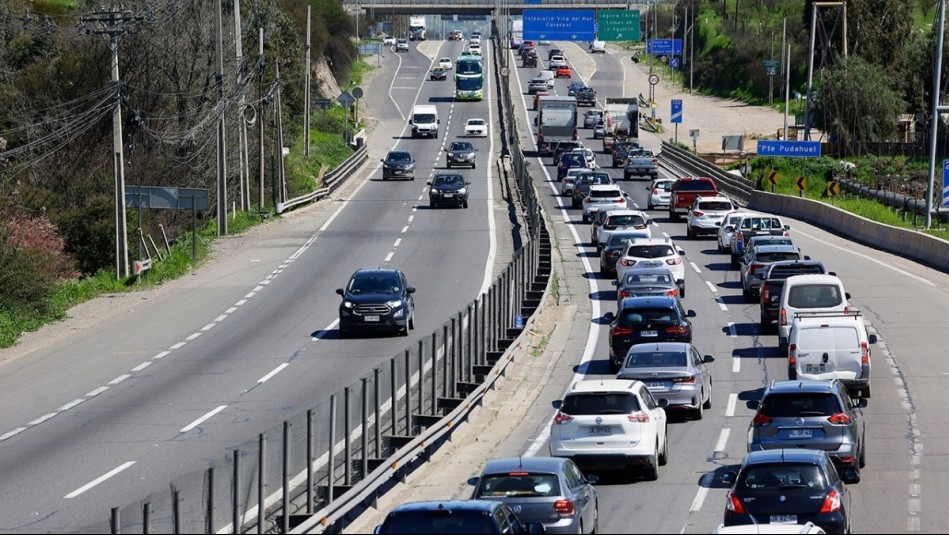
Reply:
x=32, y=262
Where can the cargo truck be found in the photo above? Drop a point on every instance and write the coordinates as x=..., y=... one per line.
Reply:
x=556, y=121
x=517, y=33
x=417, y=28
x=621, y=118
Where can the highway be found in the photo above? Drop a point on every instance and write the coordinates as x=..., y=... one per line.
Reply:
x=121, y=409
x=903, y=301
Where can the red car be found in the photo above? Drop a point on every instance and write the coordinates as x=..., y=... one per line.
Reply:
x=564, y=72
x=537, y=96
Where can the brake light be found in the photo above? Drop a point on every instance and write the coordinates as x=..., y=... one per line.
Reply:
x=784, y=317
x=733, y=504
x=673, y=292
x=685, y=380
x=587, y=199
x=739, y=237
x=674, y=261
x=626, y=262
x=840, y=419
x=792, y=354
x=765, y=294
x=698, y=213
x=638, y=416
x=564, y=507
x=760, y=420
x=619, y=331
x=655, y=162
x=562, y=418
x=624, y=294
x=678, y=329
x=864, y=353
x=755, y=267
x=518, y=474
x=831, y=502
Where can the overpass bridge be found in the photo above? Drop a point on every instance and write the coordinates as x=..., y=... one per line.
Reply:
x=480, y=7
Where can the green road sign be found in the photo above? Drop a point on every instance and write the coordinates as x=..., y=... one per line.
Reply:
x=618, y=25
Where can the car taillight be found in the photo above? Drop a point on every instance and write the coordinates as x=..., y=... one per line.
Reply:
x=638, y=416
x=739, y=237
x=784, y=317
x=754, y=268
x=562, y=418
x=686, y=380
x=864, y=353
x=674, y=261
x=792, y=355
x=760, y=420
x=765, y=294
x=681, y=328
x=733, y=504
x=626, y=262
x=624, y=294
x=655, y=162
x=831, y=502
x=564, y=507
x=673, y=292
x=698, y=213
x=840, y=418
x=619, y=331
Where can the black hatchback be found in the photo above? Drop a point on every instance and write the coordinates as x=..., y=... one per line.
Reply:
x=451, y=190
x=376, y=300
x=398, y=164
x=647, y=319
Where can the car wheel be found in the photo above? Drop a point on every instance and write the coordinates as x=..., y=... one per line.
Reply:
x=384, y=177
x=649, y=206
x=865, y=393
x=652, y=472
x=448, y=165
x=862, y=461
x=746, y=295
x=474, y=166
x=664, y=456
x=682, y=291
x=700, y=412
x=708, y=403
x=412, y=321
x=765, y=325
x=433, y=205
x=596, y=518
x=466, y=204
x=688, y=233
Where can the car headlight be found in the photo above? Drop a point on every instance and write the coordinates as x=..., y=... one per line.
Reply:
x=470, y=155
x=394, y=304
x=347, y=304
x=463, y=191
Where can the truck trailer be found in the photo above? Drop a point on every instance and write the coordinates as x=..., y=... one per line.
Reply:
x=621, y=118
x=417, y=28
x=556, y=121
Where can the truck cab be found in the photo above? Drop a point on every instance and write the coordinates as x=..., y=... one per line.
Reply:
x=424, y=121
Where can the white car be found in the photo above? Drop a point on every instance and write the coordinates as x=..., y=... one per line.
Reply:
x=556, y=62
x=476, y=127
x=726, y=229
x=653, y=253
x=707, y=214
x=622, y=221
x=401, y=45
x=603, y=197
x=611, y=424
x=388, y=40
x=474, y=48
x=566, y=185
x=445, y=63
x=660, y=193
x=809, y=293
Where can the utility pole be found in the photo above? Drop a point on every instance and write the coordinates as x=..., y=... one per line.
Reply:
x=692, y=45
x=787, y=90
x=114, y=24
x=934, y=119
x=242, y=153
x=306, y=89
x=810, y=63
x=221, y=145
x=282, y=184
x=260, y=120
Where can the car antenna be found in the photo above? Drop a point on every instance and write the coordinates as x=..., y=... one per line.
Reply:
x=520, y=461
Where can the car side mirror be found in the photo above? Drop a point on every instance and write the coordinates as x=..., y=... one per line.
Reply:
x=535, y=528
x=614, y=283
x=429, y=183
x=729, y=228
x=473, y=481
x=690, y=313
x=340, y=292
x=728, y=478
x=860, y=403
x=592, y=479
x=754, y=404
x=410, y=290
x=663, y=403
x=681, y=252
x=850, y=476
x=608, y=316
x=467, y=182
x=556, y=404
x=708, y=358
x=439, y=121
x=410, y=121
x=834, y=273
x=806, y=257
x=872, y=339
x=787, y=227
x=383, y=160
x=847, y=295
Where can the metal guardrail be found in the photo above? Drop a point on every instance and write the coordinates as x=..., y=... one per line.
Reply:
x=735, y=187
x=421, y=4
x=331, y=180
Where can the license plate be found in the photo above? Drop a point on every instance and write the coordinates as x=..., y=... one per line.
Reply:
x=600, y=430
x=370, y=318
x=648, y=333
x=814, y=369
x=655, y=384
x=784, y=519
x=448, y=195
x=651, y=263
x=801, y=433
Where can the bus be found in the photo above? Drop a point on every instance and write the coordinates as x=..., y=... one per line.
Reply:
x=469, y=77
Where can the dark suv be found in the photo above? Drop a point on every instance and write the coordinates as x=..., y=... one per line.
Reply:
x=461, y=153
x=791, y=486
x=582, y=186
x=819, y=415
x=456, y=516
x=564, y=146
x=398, y=164
x=376, y=300
x=449, y=190
x=774, y=277
x=647, y=319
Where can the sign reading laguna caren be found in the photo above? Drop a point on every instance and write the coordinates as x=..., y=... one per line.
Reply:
x=559, y=24
x=798, y=149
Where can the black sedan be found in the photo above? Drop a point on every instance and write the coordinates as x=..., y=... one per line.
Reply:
x=647, y=319
x=398, y=164
x=376, y=300
x=789, y=486
x=438, y=73
x=460, y=153
x=451, y=190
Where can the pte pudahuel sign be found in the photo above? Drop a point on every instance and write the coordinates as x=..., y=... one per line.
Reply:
x=790, y=149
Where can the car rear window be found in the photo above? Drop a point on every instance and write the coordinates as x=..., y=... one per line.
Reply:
x=634, y=316
x=650, y=251
x=605, y=193
x=814, y=296
x=438, y=521
x=781, y=272
x=716, y=205
x=593, y=403
x=761, y=223
x=781, y=477
x=648, y=278
x=656, y=359
x=617, y=240
x=816, y=338
x=628, y=220
x=800, y=404
x=777, y=257
x=519, y=484
x=696, y=185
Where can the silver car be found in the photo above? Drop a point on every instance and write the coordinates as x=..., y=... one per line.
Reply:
x=726, y=229
x=673, y=371
x=707, y=214
x=646, y=283
x=548, y=490
x=752, y=272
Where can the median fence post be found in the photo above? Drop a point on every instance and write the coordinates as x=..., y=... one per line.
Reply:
x=408, y=392
x=434, y=372
x=309, y=461
x=477, y=331
x=210, y=503
x=394, y=392
x=286, y=477
x=468, y=343
x=445, y=391
x=378, y=411
x=421, y=376
x=331, y=467
x=115, y=521
x=261, y=487
x=236, y=493
x=175, y=512
x=459, y=341
x=347, y=428
x=364, y=468
x=452, y=363
x=146, y=518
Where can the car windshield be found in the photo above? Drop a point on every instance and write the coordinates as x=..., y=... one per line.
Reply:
x=399, y=157
x=424, y=118
x=460, y=146
x=777, y=257
x=814, y=296
x=469, y=84
x=374, y=283
x=449, y=180
x=656, y=359
x=438, y=521
x=476, y=122
x=800, y=404
x=594, y=403
x=520, y=484
x=780, y=477
x=650, y=251
x=631, y=316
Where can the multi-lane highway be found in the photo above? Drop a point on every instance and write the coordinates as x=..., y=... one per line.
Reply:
x=120, y=409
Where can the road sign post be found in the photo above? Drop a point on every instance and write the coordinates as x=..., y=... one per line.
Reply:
x=801, y=184
x=771, y=68
x=618, y=25
x=676, y=116
x=945, y=182
x=346, y=100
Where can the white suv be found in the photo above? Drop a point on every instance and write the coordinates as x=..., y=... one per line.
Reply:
x=707, y=214
x=653, y=253
x=603, y=197
x=610, y=424
x=627, y=221
x=809, y=293
x=556, y=62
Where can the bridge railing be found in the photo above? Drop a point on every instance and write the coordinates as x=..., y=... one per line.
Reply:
x=421, y=4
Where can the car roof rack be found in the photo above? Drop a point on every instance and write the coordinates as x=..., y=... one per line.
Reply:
x=850, y=312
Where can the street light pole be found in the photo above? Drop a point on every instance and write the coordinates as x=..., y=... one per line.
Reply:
x=934, y=120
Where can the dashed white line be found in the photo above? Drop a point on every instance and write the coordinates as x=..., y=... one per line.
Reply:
x=11, y=434
x=257, y=288
x=275, y=371
x=240, y=303
x=161, y=355
x=411, y=218
x=389, y=256
x=251, y=294
x=179, y=345
x=222, y=317
x=202, y=419
x=420, y=197
x=711, y=287
x=42, y=419
x=99, y=480
x=397, y=242
x=97, y=391
x=730, y=407
x=141, y=366
x=119, y=379
x=208, y=327
x=695, y=267
x=736, y=364
x=722, y=440
x=721, y=304
x=70, y=405
x=732, y=331
x=193, y=336
x=405, y=229
x=699, y=499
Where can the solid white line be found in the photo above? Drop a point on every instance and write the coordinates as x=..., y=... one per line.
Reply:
x=98, y=480
x=722, y=440
x=492, y=239
x=70, y=405
x=699, y=499
x=275, y=371
x=389, y=256
x=736, y=365
x=119, y=379
x=865, y=257
x=711, y=287
x=222, y=317
x=209, y=326
x=97, y=391
x=42, y=419
x=730, y=407
x=732, y=330
x=405, y=229
x=141, y=366
x=695, y=267
x=193, y=336
x=202, y=419
x=13, y=433
x=179, y=345
x=397, y=242
x=162, y=355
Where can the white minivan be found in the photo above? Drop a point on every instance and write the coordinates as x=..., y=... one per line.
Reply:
x=809, y=293
x=831, y=345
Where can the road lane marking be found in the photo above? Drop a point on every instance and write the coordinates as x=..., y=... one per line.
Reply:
x=388, y=256
x=730, y=407
x=70, y=405
x=411, y=217
x=273, y=372
x=97, y=391
x=870, y=258
x=722, y=440
x=699, y=499
x=119, y=379
x=695, y=267
x=98, y=480
x=397, y=242
x=161, y=355
x=42, y=419
x=202, y=419
x=711, y=287
x=11, y=434
x=405, y=229
x=736, y=364
x=208, y=327
x=179, y=345
x=721, y=305
x=141, y=366
x=223, y=317
x=732, y=331
x=193, y=336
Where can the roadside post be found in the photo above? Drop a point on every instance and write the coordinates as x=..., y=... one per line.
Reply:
x=676, y=116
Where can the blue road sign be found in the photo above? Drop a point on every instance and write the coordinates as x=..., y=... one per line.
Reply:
x=559, y=25
x=532, y=1
x=945, y=182
x=793, y=149
x=676, y=110
x=667, y=47
x=674, y=63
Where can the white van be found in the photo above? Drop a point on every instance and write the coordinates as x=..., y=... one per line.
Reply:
x=549, y=77
x=424, y=121
x=809, y=293
x=831, y=345
x=598, y=46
